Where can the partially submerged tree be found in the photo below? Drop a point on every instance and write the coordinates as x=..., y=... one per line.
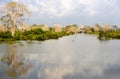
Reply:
x=14, y=15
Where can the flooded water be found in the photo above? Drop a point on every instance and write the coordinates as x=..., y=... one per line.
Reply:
x=72, y=57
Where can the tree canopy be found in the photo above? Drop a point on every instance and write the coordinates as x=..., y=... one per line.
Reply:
x=15, y=15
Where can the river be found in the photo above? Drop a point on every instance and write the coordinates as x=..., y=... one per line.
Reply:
x=77, y=56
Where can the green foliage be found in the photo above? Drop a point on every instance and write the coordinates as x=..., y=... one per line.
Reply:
x=5, y=36
x=103, y=34
x=41, y=35
x=21, y=44
x=109, y=34
x=34, y=34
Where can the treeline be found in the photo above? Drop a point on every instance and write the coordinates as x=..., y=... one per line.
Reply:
x=33, y=34
x=103, y=33
x=43, y=32
x=39, y=34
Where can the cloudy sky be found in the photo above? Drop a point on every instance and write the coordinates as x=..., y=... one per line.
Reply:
x=79, y=12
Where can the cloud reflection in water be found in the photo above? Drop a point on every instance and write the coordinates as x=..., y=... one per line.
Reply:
x=59, y=61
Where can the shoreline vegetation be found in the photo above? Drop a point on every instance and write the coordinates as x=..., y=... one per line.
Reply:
x=105, y=32
x=14, y=28
x=36, y=32
x=43, y=32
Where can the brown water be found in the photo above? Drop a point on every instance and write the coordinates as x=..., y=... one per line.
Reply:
x=73, y=57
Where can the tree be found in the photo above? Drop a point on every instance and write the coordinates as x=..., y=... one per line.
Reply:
x=14, y=15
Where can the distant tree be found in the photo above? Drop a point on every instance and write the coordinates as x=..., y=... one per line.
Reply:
x=96, y=27
x=115, y=27
x=107, y=27
x=14, y=15
x=67, y=28
x=75, y=25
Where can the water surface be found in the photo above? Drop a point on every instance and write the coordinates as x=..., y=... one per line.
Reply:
x=72, y=57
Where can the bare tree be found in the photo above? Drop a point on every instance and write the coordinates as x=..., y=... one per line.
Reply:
x=15, y=15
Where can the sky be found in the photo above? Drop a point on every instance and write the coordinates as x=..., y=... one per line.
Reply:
x=81, y=12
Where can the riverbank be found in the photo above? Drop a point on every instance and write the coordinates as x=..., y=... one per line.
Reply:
x=103, y=33
x=107, y=35
x=40, y=35
x=35, y=34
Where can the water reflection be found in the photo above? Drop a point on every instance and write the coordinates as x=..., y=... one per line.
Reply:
x=14, y=64
x=84, y=58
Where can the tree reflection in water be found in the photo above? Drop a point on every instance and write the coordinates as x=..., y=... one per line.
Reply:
x=15, y=64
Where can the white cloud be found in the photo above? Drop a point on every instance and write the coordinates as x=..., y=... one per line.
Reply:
x=64, y=8
x=59, y=9
x=93, y=7
x=33, y=8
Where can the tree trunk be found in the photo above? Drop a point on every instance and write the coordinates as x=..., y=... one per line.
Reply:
x=13, y=29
